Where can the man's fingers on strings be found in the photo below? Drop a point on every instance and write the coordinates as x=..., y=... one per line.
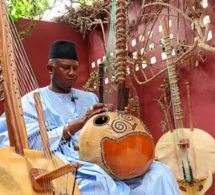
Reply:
x=99, y=106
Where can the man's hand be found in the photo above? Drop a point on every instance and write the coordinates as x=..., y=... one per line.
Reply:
x=72, y=127
x=127, y=110
x=95, y=109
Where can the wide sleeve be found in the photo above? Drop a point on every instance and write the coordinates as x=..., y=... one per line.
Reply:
x=4, y=140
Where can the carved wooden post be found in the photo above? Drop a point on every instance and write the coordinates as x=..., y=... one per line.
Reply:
x=122, y=97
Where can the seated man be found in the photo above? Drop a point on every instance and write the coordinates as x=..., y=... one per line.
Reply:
x=66, y=110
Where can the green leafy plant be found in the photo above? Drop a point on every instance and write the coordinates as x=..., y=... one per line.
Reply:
x=85, y=2
x=31, y=9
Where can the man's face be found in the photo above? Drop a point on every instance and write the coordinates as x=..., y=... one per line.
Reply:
x=63, y=74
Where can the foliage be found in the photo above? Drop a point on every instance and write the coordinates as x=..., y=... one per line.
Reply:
x=92, y=83
x=27, y=29
x=85, y=2
x=30, y=9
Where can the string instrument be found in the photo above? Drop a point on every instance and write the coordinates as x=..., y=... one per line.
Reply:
x=189, y=152
x=119, y=143
x=25, y=171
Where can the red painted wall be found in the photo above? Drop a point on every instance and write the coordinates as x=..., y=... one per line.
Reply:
x=37, y=46
x=201, y=78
